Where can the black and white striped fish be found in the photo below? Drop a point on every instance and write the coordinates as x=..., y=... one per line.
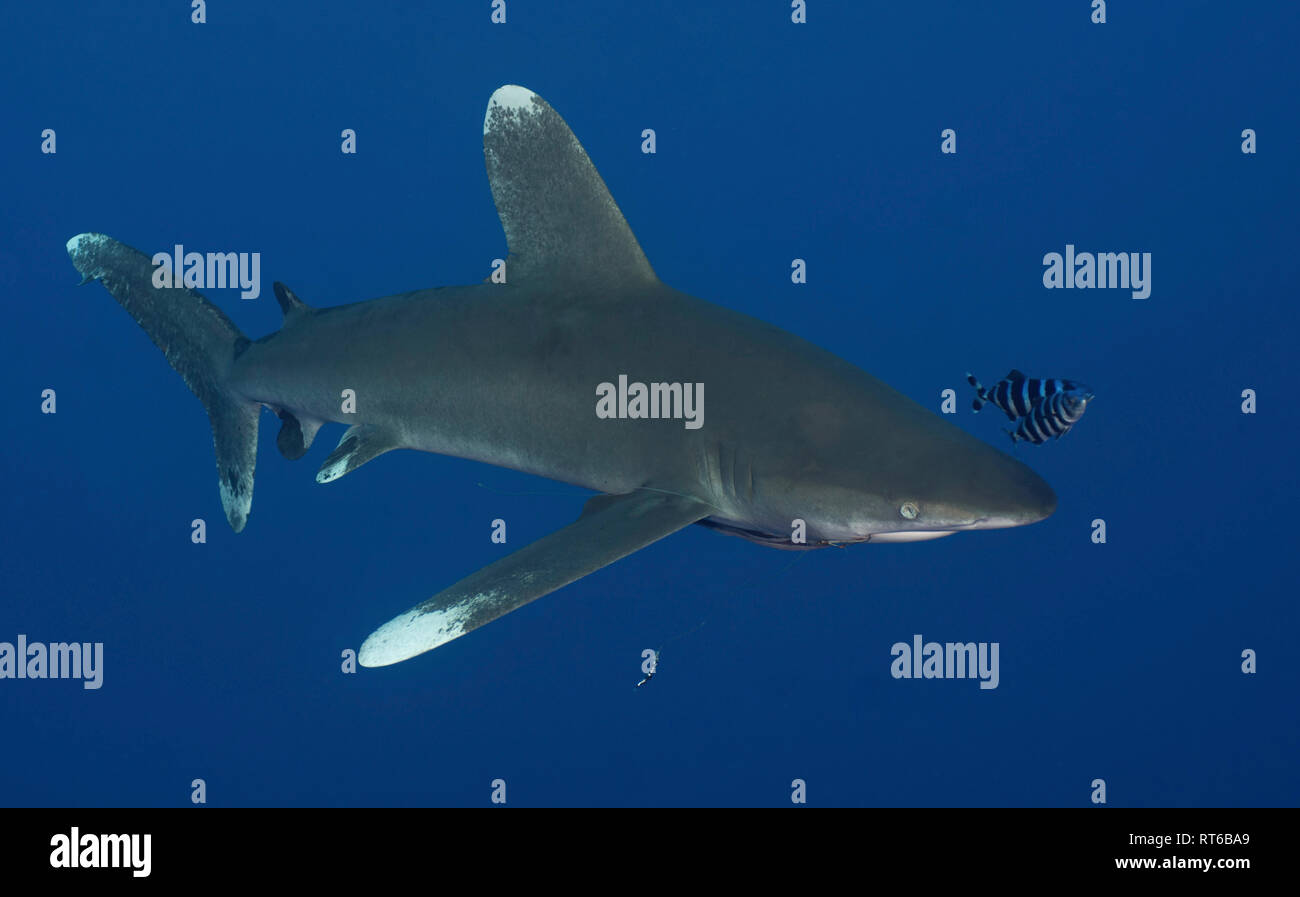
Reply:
x=1043, y=407
x=1052, y=416
x=1017, y=395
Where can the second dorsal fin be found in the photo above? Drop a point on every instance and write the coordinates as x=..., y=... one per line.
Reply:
x=292, y=307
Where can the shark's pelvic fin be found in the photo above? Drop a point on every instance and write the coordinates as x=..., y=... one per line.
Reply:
x=201, y=344
x=611, y=527
x=291, y=306
x=560, y=221
x=296, y=434
x=358, y=445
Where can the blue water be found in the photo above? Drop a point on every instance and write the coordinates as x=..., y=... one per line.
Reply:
x=775, y=141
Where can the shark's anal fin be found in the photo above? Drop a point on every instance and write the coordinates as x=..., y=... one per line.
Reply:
x=560, y=220
x=611, y=527
x=359, y=444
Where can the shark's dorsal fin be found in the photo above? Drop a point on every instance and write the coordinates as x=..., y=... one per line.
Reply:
x=292, y=307
x=560, y=221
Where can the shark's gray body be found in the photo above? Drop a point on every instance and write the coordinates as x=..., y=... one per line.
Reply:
x=508, y=373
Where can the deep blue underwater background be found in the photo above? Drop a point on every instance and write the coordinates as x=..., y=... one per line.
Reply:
x=1119, y=661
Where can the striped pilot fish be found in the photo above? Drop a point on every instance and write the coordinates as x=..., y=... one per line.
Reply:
x=1043, y=407
x=1053, y=416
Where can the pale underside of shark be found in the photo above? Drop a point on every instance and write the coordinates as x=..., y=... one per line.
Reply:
x=507, y=373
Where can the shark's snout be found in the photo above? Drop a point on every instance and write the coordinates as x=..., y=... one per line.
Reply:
x=1017, y=496
x=1033, y=500
x=1009, y=494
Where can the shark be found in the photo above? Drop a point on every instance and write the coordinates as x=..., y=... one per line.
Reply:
x=799, y=448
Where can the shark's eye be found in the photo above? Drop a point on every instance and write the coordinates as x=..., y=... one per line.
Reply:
x=909, y=510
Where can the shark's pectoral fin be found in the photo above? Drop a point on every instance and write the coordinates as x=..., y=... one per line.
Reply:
x=358, y=445
x=611, y=527
x=560, y=221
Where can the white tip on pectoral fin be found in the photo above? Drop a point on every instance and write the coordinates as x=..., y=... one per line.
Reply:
x=416, y=631
x=611, y=527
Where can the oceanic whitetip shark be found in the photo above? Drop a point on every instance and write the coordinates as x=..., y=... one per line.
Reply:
x=510, y=374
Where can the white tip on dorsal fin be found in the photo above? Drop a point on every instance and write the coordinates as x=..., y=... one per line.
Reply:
x=509, y=97
x=560, y=220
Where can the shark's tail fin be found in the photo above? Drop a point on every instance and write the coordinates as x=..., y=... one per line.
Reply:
x=200, y=342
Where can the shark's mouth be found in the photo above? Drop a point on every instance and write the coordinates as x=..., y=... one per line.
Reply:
x=782, y=540
x=775, y=540
x=924, y=535
x=910, y=535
